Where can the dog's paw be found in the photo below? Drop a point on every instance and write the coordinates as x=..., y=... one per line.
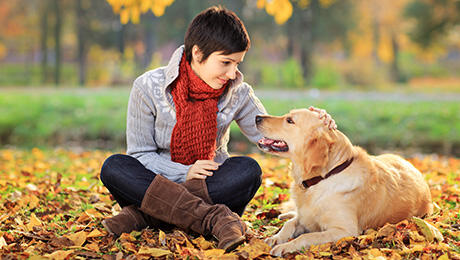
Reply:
x=271, y=241
x=282, y=249
x=287, y=215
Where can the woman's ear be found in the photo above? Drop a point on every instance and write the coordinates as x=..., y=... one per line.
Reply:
x=316, y=155
x=197, y=55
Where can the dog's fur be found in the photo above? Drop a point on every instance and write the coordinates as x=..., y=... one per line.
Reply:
x=371, y=191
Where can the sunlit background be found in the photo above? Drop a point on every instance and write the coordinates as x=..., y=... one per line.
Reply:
x=391, y=68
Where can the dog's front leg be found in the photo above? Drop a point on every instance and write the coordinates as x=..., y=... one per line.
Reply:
x=290, y=228
x=308, y=239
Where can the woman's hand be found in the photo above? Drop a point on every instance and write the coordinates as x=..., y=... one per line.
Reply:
x=327, y=119
x=202, y=169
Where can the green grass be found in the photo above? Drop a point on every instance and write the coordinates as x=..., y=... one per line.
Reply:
x=97, y=118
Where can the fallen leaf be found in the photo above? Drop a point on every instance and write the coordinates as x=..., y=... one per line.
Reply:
x=94, y=233
x=34, y=221
x=162, y=238
x=78, y=238
x=60, y=255
x=154, y=252
x=429, y=231
x=256, y=248
x=128, y=246
x=93, y=247
x=202, y=243
x=214, y=253
x=2, y=242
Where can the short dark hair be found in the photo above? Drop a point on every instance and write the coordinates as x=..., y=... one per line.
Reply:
x=216, y=29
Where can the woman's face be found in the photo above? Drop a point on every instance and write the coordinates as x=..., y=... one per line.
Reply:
x=217, y=69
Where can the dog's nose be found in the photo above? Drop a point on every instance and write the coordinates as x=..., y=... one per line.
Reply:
x=258, y=119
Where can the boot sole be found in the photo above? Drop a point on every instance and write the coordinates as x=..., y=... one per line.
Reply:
x=232, y=245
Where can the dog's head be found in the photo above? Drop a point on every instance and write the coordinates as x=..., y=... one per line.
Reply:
x=299, y=135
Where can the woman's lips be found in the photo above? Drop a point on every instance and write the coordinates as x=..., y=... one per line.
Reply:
x=222, y=81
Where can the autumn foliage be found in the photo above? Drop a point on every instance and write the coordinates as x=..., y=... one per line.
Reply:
x=52, y=204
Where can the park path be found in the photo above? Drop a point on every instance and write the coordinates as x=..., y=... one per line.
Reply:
x=356, y=95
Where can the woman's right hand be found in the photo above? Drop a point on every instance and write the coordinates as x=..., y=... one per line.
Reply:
x=201, y=169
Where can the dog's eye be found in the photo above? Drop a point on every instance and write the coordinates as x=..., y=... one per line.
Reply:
x=289, y=120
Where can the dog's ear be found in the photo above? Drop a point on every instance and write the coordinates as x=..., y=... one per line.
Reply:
x=316, y=151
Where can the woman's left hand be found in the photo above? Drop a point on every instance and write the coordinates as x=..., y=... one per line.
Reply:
x=327, y=119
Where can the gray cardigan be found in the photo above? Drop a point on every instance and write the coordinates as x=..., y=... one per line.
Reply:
x=152, y=116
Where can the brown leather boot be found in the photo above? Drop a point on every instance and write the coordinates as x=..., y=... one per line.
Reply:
x=198, y=188
x=129, y=219
x=173, y=203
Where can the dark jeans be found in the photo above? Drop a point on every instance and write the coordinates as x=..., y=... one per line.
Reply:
x=233, y=184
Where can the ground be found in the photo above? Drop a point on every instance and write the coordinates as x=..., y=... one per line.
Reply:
x=52, y=203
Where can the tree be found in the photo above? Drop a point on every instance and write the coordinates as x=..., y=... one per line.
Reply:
x=380, y=29
x=434, y=19
x=316, y=22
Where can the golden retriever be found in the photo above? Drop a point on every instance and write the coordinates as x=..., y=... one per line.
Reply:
x=339, y=190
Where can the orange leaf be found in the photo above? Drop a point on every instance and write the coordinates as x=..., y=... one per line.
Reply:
x=60, y=255
x=154, y=252
x=95, y=233
x=34, y=221
x=78, y=239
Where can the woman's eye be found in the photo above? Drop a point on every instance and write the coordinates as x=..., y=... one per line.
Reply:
x=289, y=120
x=226, y=62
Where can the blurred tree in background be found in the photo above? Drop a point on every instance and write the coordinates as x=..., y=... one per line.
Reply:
x=297, y=43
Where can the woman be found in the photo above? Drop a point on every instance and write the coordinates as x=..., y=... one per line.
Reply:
x=177, y=169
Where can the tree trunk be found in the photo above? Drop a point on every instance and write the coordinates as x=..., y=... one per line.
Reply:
x=290, y=31
x=43, y=42
x=149, y=38
x=57, y=41
x=121, y=40
x=307, y=43
x=376, y=39
x=81, y=54
x=395, y=70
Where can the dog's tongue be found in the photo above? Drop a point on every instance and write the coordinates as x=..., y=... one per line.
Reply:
x=266, y=141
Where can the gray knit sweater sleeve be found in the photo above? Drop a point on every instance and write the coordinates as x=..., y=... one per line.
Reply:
x=249, y=109
x=140, y=136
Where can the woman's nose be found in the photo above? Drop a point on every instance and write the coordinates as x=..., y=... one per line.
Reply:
x=231, y=73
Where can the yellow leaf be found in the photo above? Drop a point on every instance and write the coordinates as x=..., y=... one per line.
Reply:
x=124, y=16
x=59, y=255
x=33, y=201
x=95, y=233
x=34, y=221
x=2, y=242
x=93, y=213
x=155, y=252
x=256, y=248
x=127, y=237
x=214, y=253
x=429, y=231
x=135, y=15
x=417, y=248
x=128, y=246
x=78, y=239
x=444, y=257
x=375, y=252
x=162, y=238
x=38, y=154
x=93, y=247
x=260, y=4
x=20, y=224
x=202, y=243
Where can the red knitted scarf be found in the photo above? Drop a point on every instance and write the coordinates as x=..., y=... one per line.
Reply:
x=194, y=135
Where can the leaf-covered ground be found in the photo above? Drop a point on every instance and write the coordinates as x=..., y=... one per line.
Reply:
x=52, y=204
